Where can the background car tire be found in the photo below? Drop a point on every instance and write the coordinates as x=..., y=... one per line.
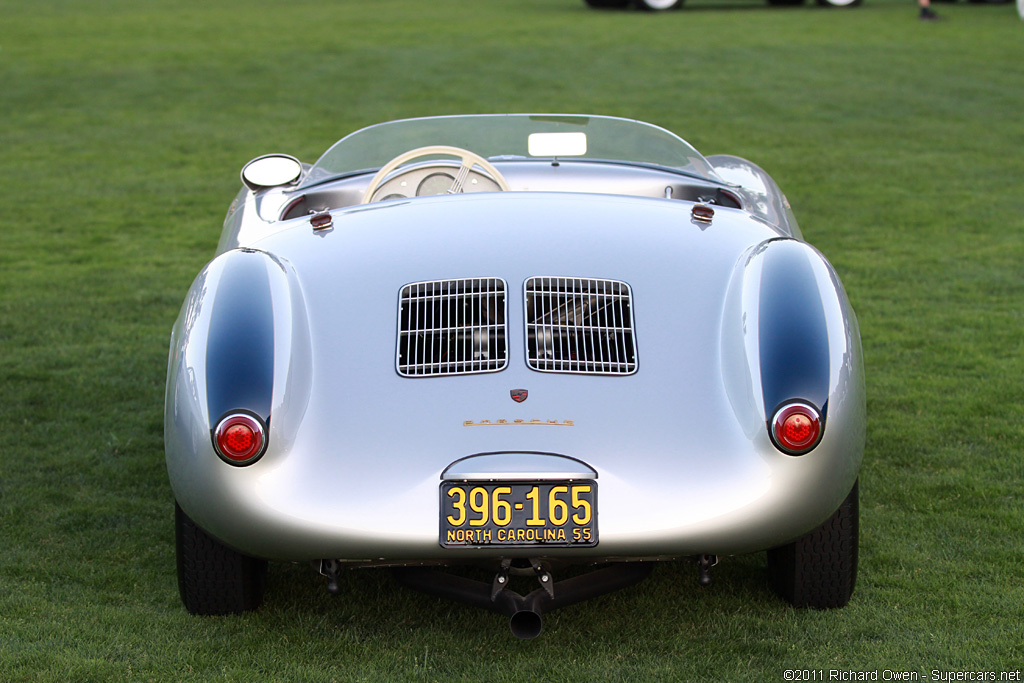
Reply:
x=607, y=4
x=819, y=569
x=212, y=578
x=658, y=5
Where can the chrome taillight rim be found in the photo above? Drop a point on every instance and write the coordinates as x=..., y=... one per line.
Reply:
x=240, y=439
x=796, y=428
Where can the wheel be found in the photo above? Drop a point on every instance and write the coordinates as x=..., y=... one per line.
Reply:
x=468, y=161
x=607, y=4
x=658, y=5
x=819, y=569
x=839, y=3
x=212, y=578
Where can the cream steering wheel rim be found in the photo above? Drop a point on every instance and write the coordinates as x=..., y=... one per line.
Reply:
x=468, y=161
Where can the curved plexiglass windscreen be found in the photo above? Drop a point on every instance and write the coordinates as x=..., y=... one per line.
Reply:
x=510, y=137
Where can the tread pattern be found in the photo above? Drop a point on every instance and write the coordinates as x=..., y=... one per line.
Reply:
x=213, y=578
x=819, y=569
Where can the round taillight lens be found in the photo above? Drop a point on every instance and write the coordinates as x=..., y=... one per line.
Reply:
x=796, y=428
x=239, y=438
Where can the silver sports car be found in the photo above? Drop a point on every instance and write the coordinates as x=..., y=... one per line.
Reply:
x=545, y=350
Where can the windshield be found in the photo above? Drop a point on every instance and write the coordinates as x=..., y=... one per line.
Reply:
x=499, y=137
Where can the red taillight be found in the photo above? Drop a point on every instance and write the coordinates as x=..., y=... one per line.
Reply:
x=239, y=438
x=796, y=428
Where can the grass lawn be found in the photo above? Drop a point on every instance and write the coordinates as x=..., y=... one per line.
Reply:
x=123, y=124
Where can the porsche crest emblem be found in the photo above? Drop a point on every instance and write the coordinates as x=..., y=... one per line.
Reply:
x=519, y=395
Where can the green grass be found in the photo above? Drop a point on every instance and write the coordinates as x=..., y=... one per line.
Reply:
x=122, y=128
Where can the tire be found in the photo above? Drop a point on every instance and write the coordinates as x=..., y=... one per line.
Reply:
x=607, y=4
x=658, y=5
x=819, y=569
x=212, y=578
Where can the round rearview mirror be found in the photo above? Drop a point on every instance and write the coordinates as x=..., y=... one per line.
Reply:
x=271, y=170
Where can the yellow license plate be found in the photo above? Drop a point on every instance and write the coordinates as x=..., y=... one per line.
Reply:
x=520, y=514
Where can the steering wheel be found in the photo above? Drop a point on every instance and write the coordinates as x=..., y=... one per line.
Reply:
x=468, y=159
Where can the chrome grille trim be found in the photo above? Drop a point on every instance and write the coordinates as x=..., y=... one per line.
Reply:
x=579, y=325
x=452, y=327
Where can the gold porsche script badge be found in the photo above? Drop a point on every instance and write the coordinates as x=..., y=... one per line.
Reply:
x=518, y=423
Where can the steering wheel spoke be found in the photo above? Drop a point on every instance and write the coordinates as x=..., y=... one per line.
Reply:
x=460, y=177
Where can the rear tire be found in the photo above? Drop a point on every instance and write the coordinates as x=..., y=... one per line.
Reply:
x=212, y=578
x=819, y=569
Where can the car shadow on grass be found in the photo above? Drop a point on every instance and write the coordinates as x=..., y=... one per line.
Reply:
x=371, y=603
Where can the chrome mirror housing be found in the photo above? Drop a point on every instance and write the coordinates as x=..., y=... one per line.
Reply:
x=271, y=170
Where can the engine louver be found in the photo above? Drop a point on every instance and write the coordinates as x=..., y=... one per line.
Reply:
x=452, y=327
x=580, y=325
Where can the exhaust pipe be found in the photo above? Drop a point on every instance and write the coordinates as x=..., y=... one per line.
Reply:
x=526, y=624
x=524, y=612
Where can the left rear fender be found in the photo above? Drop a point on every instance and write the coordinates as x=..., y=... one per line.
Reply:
x=240, y=343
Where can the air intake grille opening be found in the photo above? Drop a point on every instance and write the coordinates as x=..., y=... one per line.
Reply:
x=452, y=327
x=579, y=325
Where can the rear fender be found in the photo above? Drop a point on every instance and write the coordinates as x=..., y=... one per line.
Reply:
x=241, y=343
x=788, y=333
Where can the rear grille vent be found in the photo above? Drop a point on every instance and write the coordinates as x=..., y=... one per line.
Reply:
x=579, y=325
x=452, y=327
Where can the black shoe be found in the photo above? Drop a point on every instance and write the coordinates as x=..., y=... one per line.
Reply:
x=928, y=15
